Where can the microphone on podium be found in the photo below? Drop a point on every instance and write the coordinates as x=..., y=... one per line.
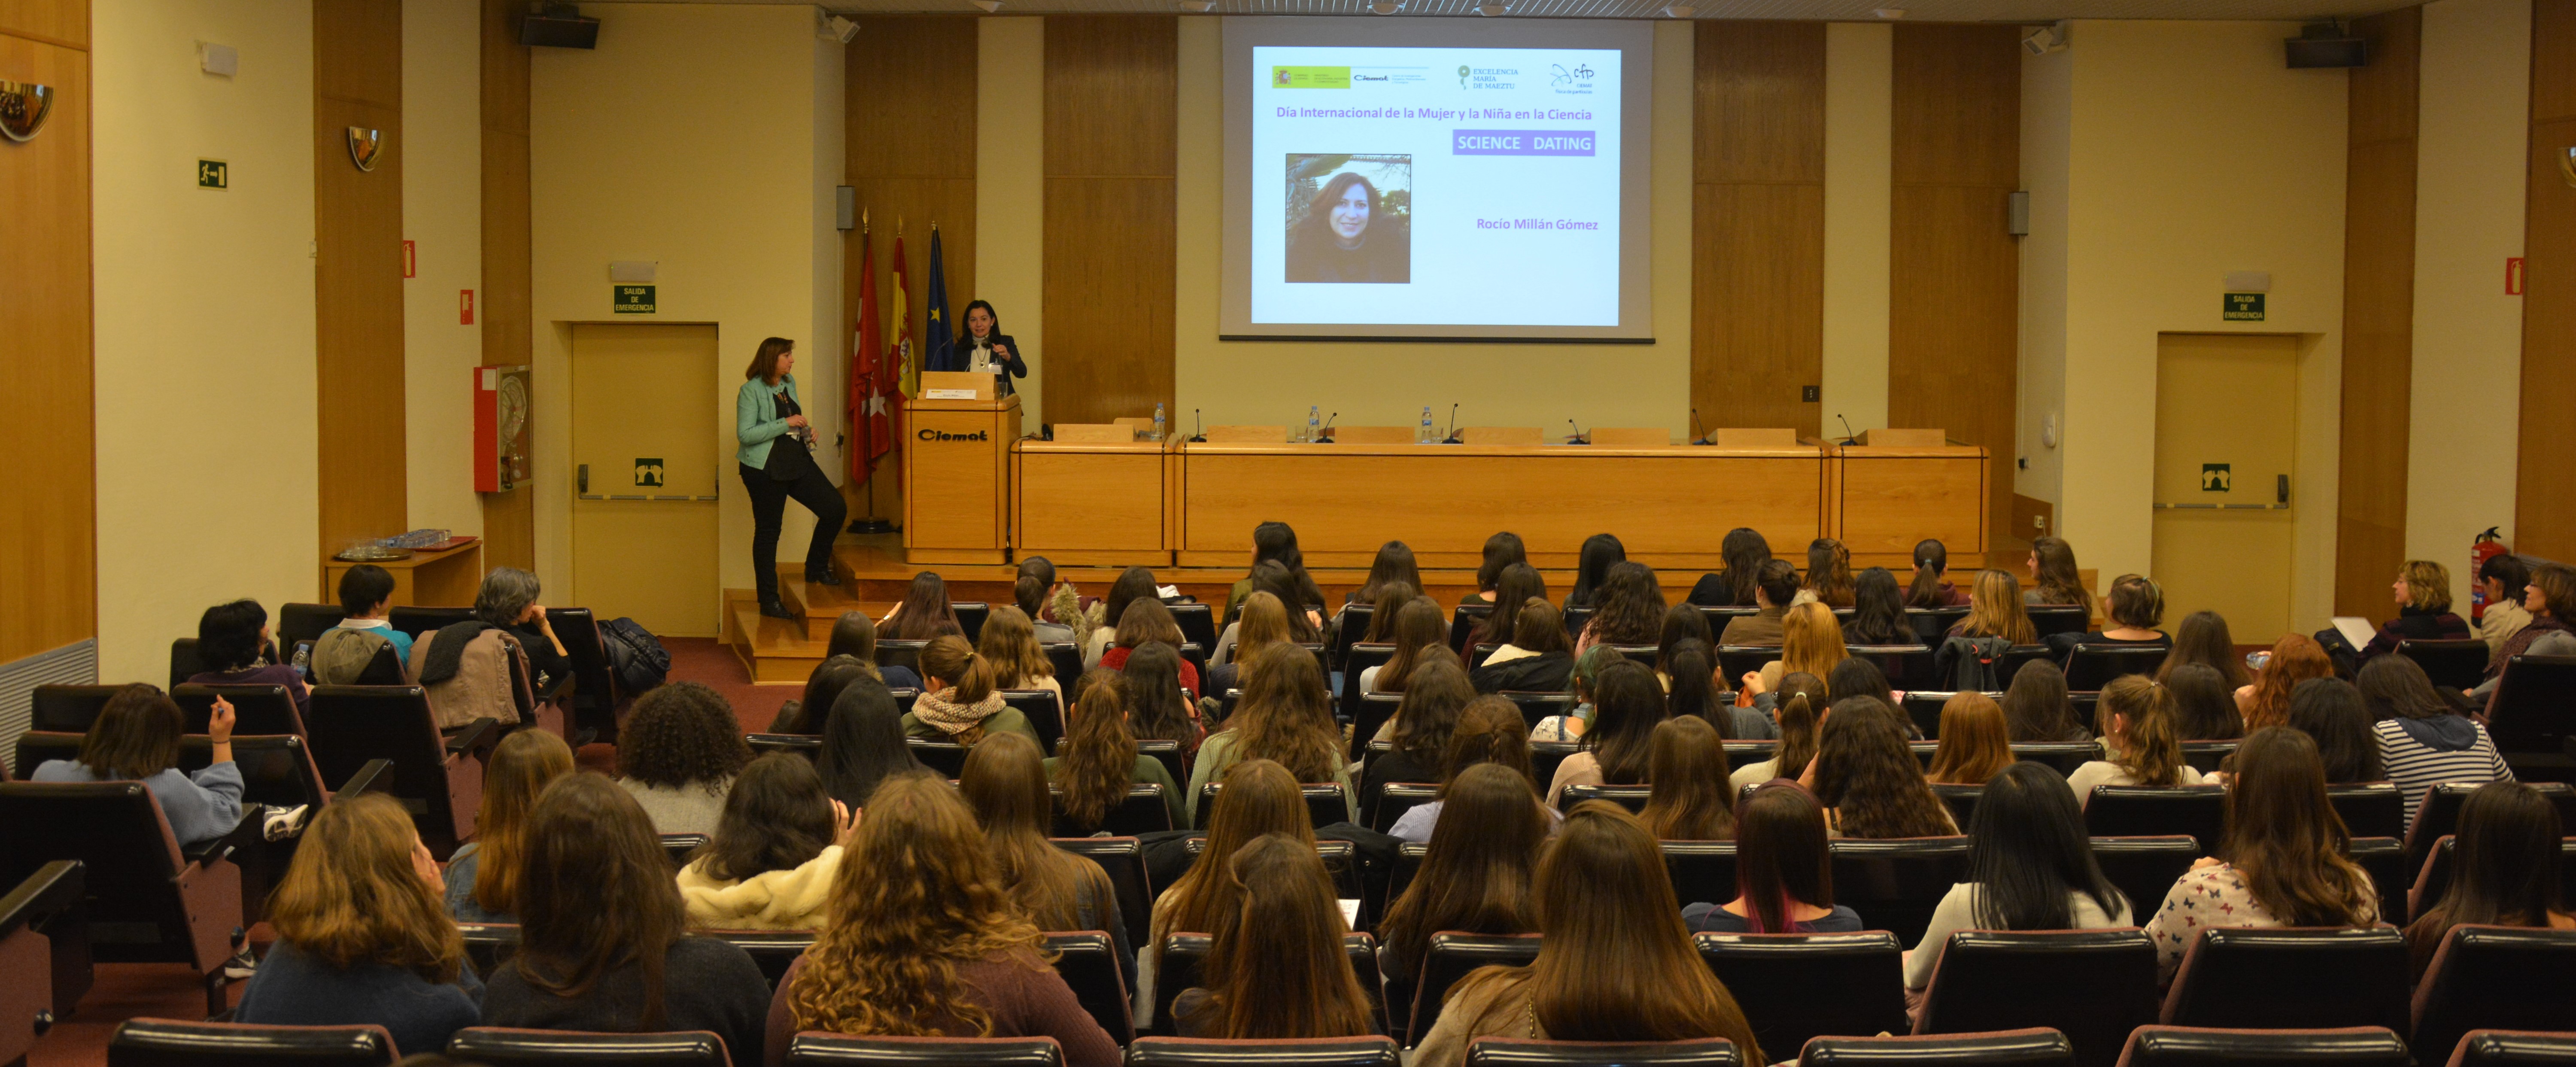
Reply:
x=1451, y=436
x=1697, y=437
x=1848, y=436
x=1577, y=437
x=1325, y=435
x=1198, y=431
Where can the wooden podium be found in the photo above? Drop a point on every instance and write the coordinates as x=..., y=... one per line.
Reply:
x=956, y=470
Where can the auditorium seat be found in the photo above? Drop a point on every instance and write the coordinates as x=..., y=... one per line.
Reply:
x=1537, y=706
x=257, y=709
x=814, y=1049
x=2145, y=810
x=149, y=1042
x=496, y=1046
x=2532, y=716
x=1370, y=1051
x=2495, y=978
x=1197, y=623
x=1631, y=797
x=2369, y=809
x=2291, y=979
x=308, y=622
x=2145, y=868
x=1184, y=960
x=144, y=898
x=680, y=846
x=67, y=708
x=2048, y=619
x=488, y=945
x=2384, y=859
x=1719, y=616
x=970, y=617
x=1702, y=872
x=1143, y=812
x=1519, y=1052
x=1736, y=661
x=1742, y=753
x=1370, y=712
x=1169, y=752
x=2207, y=756
x=1359, y=658
x=1043, y=710
x=1396, y=798
x=1576, y=618
x=1195, y=654
x=1353, y=625
x=1341, y=862
x=1960, y=799
x=418, y=620
x=1894, y=884
x=438, y=778
x=1546, y=755
x=1326, y=804
x=1478, y=653
x=2514, y=1048
x=1905, y=666
x=2452, y=665
x=2035, y=1047
x=809, y=746
x=2434, y=878
x=1641, y=655
x=1447, y=958
x=2439, y=814
x=44, y=954
x=1922, y=707
x=944, y=759
x=774, y=951
x=1932, y=625
x=1781, y=982
x=592, y=702
x=2062, y=756
x=1066, y=658
x=2094, y=985
x=2185, y=1046
x=2011, y=663
x=184, y=661
x=905, y=654
x=1463, y=621
x=1088, y=962
x=1123, y=858
x=2091, y=666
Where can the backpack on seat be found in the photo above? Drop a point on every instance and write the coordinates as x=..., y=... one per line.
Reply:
x=636, y=656
x=1973, y=668
x=341, y=656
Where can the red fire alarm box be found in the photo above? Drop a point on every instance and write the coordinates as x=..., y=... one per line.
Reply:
x=500, y=428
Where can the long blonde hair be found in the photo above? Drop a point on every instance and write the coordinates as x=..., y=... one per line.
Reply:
x=1811, y=640
x=353, y=897
x=1264, y=623
x=1009, y=645
x=1260, y=797
x=1994, y=609
x=2147, y=745
x=523, y=765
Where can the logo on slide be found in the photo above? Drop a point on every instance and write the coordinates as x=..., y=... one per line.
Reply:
x=1462, y=77
x=1310, y=77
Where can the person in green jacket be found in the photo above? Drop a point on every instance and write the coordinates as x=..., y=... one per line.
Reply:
x=777, y=461
x=959, y=703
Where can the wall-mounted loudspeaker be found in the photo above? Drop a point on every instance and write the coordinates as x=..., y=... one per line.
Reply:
x=2326, y=44
x=558, y=26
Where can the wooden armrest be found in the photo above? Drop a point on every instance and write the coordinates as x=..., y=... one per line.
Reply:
x=474, y=737
x=244, y=834
x=376, y=777
x=54, y=886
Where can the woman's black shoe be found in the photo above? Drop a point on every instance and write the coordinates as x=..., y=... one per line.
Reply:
x=822, y=577
x=774, y=609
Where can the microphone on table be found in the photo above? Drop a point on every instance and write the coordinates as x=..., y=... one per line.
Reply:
x=1848, y=436
x=1697, y=437
x=1451, y=436
x=1577, y=437
x=1197, y=432
x=1325, y=435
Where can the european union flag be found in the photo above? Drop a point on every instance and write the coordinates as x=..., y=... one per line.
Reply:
x=939, y=346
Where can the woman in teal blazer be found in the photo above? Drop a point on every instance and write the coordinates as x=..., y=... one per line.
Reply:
x=777, y=460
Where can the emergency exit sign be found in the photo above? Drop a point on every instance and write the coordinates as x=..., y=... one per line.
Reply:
x=2243, y=307
x=632, y=300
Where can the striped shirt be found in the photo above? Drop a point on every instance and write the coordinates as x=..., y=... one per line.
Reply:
x=2417, y=767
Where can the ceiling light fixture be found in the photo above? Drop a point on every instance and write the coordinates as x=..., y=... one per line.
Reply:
x=1890, y=12
x=1490, y=10
x=1387, y=7
x=1678, y=11
x=1200, y=6
x=989, y=6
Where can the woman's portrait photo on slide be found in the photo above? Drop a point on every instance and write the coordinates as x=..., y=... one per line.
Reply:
x=1350, y=218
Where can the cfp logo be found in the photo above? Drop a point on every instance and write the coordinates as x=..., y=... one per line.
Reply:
x=1579, y=75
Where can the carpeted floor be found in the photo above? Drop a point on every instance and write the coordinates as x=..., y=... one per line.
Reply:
x=702, y=660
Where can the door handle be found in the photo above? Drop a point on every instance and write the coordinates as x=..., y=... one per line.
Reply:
x=582, y=479
x=2281, y=488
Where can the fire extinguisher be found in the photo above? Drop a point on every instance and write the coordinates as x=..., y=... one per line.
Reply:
x=2487, y=546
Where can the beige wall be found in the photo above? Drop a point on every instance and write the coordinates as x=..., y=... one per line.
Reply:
x=690, y=137
x=1495, y=384
x=1010, y=188
x=2469, y=174
x=1860, y=128
x=442, y=199
x=2047, y=154
x=205, y=347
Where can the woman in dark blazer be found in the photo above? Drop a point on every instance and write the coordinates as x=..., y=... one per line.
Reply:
x=985, y=347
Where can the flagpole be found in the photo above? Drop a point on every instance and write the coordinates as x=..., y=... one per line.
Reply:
x=869, y=523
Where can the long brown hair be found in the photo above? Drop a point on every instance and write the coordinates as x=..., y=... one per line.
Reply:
x=1383, y=610
x=1477, y=882
x=1519, y=585
x=1286, y=716
x=2284, y=838
x=1994, y=609
x=2507, y=874
x=1615, y=962
x=2145, y=742
x=1146, y=619
x=1428, y=713
x=1260, y=797
x=2056, y=578
x=1005, y=782
x=777, y=817
x=1829, y=573
x=1800, y=709
x=1097, y=762
x=950, y=659
x=1157, y=706
x=1973, y=743
x=1811, y=640
x=925, y=613
x=1490, y=730
x=1009, y=644
x=916, y=896
x=2201, y=637
x=2295, y=658
x=135, y=736
x=1627, y=704
x=1866, y=772
x=598, y=894
x=1689, y=798
x=522, y=766
x=1629, y=607
x=764, y=361
x=1781, y=857
x=1264, y=623
x=2036, y=708
x=1419, y=629
x=353, y=897
x=1275, y=964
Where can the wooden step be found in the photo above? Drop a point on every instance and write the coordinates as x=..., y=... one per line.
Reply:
x=774, y=651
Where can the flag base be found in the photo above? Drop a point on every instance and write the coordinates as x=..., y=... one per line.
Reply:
x=872, y=525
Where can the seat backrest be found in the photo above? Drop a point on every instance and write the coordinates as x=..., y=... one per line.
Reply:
x=1375, y=710
x=1774, y=978
x=185, y=663
x=1577, y=617
x=1358, y=658
x=2493, y=978
x=1089, y=964
x=1066, y=658
x=1895, y=884
x=2439, y=814
x=1702, y=872
x=1545, y=756
x=2207, y=756
x=895, y=653
x=419, y=620
x=67, y=708
x=944, y=759
x=2514, y=1048
x=1537, y=706
x=1923, y=707
x=173, y=1043
x=257, y=709
x=970, y=617
x=2034, y=1047
x=1353, y=624
x=1743, y=753
x=2384, y=860
x=1736, y=661
x=2184, y=1046
x=1906, y=666
x=2434, y=878
x=811, y=1049
x=2459, y=664
x=1371, y=1051
x=2145, y=868
x=1045, y=715
x=2014, y=658
x=305, y=622
x=1932, y=625
x=1515, y=1052
x=1396, y=798
x=774, y=951
x=1641, y=655
x=679, y=847
x=2049, y=619
x=1142, y=812
x=2291, y=977
x=497, y=1046
x=353, y=724
x=2064, y=756
x=2089, y=667
x=809, y=746
x=2369, y=809
x=1718, y=616
x=1464, y=620
x=1168, y=753
x=1449, y=956
x=130, y=862
x=1197, y=623
x=1123, y=859
x=1631, y=797
x=1960, y=799
x=2534, y=708
x=595, y=694
x=2146, y=810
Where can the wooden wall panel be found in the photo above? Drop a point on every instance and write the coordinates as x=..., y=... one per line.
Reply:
x=49, y=526
x=911, y=137
x=357, y=272
x=1954, y=271
x=2544, y=509
x=1758, y=222
x=1112, y=139
x=2378, y=314
x=509, y=519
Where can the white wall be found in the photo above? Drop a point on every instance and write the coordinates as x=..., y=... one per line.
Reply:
x=442, y=199
x=205, y=348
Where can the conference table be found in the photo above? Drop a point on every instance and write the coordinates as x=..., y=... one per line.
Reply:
x=1194, y=504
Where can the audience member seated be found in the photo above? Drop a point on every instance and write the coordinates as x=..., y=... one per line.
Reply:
x=1539, y=658
x=1688, y=798
x=136, y=739
x=2294, y=658
x=1489, y=731
x=1475, y=882
x=1682, y=623
x=1518, y=584
x=1579, y=683
x=2423, y=591
x=2054, y=579
x=1305, y=624
x=1265, y=621
x=2203, y=639
x=2036, y=709
x=508, y=601
x=1784, y=870
x=925, y=940
x=1274, y=542
x=807, y=714
x=233, y=646
x=1149, y=622
x=678, y=754
x=1275, y=965
x=1613, y=964
x=1285, y=717
x=1857, y=677
x=484, y=876
x=1261, y=797
x=1031, y=589
x=1502, y=550
x=1931, y=588
x=1627, y=706
x=1994, y=612
x=2136, y=607
x=602, y=942
x=1065, y=605
x=1627, y=610
x=1005, y=782
x=1592, y=565
x=923, y=614
x=2547, y=598
x=1829, y=575
x=863, y=744
x=2030, y=867
x=1798, y=711
x=2283, y=862
x=2136, y=720
x=1098, y=760
x=361, y=939
x=959, y=704
x=1866, y=776
x=341, y=654
x=2504, y=870
x=2503, y=579
x=1419, y=731
x=1010, y=645
x=1133, y=584
x=2423, y=737
x=1744, y=551
x=1974, y=744
x=1811, y=642
x=771, y=861
x=1878, y=610
x=1694, y=690
x=1417, y=630
x=1382, y=612
x=1775, y=585
x=2330, y=712
x=1158, y=709
x=1394, y=563
x=855, y=635
x=2204, y=708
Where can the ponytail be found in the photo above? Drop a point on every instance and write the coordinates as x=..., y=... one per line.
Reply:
x=1931, y=560
x=950, y=659
x=1797, y=736
x=2150, y=748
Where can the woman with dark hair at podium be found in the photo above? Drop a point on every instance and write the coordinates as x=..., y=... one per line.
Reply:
x=777, y=458
x=985, y=349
